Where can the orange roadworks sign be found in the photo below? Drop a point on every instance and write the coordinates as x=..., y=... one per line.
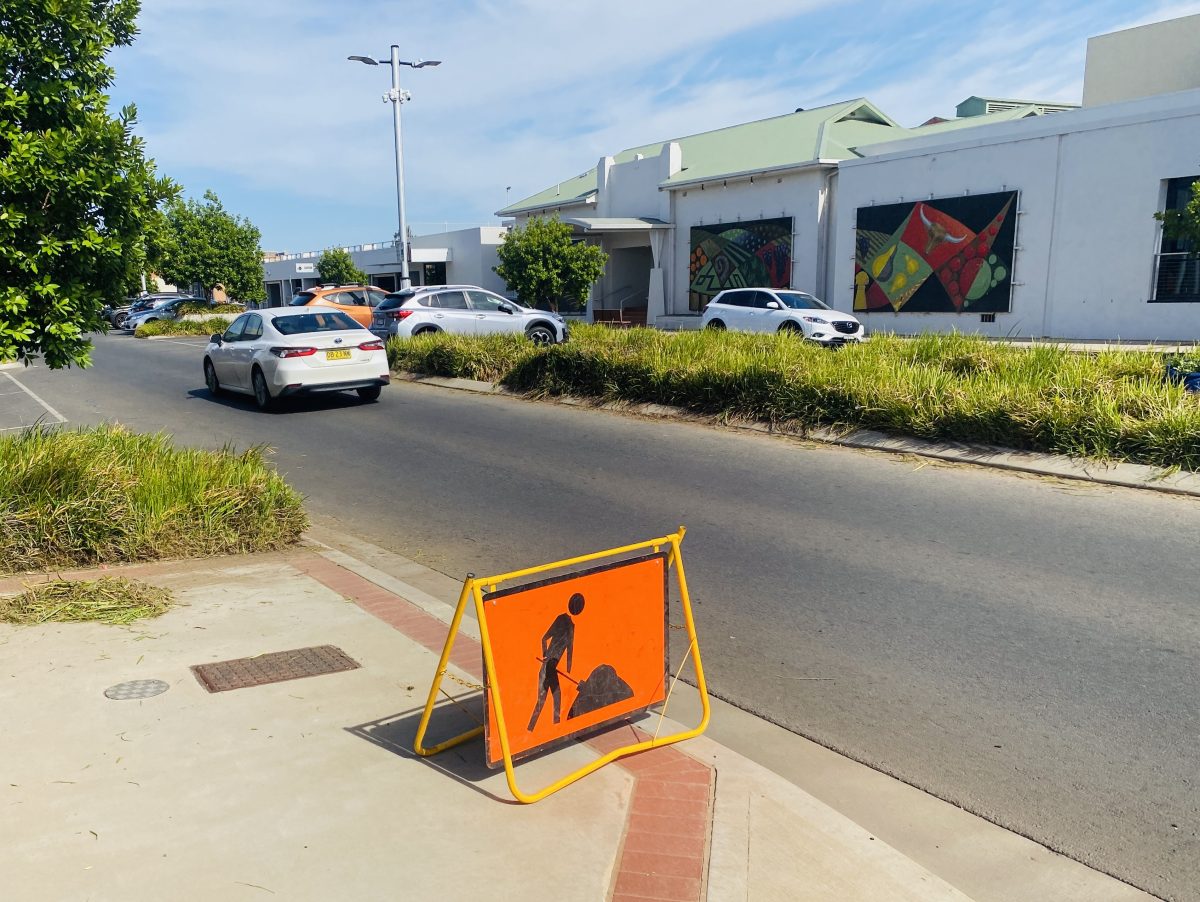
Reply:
x=572, y=653
x=575, y=652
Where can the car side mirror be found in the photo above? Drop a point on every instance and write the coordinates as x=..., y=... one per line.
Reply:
x=216, y=338
x=505, y=308
x=774, y=305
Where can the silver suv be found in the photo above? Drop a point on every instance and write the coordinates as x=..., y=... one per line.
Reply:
x=462, y=310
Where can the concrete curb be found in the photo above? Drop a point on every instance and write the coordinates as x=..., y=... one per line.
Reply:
x=1059, y=466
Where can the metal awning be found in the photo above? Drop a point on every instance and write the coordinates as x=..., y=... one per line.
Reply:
x=416, y=255
x=430, y=255
x=616, y=224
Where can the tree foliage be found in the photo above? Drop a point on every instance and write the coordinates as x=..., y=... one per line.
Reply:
x=336, y=267
x=202, y=242
x=1184, y=225
x=541, y=263
x=75, y=186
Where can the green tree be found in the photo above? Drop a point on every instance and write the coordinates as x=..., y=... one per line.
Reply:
x=541, y=263
x=206, y=244
x=75, y=186
x=1184, y=225
x=336, y=267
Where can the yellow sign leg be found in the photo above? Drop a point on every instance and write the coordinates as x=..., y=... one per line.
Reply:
x=468, y=590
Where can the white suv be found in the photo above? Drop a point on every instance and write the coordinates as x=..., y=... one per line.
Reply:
x=781, y=310
x=462, y=310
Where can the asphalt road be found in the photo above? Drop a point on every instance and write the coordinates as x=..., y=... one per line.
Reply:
x=1029, y=650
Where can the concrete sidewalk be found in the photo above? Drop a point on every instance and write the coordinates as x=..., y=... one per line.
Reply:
x=308, y=789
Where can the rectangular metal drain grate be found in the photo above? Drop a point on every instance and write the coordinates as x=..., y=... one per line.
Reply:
x=275, y=667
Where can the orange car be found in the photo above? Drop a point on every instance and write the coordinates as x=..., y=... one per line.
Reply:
x=358, y=301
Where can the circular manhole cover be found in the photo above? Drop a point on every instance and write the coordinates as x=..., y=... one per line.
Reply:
x=136, y=689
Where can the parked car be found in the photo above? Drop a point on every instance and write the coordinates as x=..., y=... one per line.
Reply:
x=283, y=351
x=356, y=300
x=116, y=315
x=463, y=310
x=159, y=308
x=781, y=310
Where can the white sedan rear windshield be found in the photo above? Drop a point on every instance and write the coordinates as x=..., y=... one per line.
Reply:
x=325, y=321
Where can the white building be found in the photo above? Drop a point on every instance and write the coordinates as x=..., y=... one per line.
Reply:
x=1087, y=257
x=1018, y=219
x=1141, y=62
x=462, y=257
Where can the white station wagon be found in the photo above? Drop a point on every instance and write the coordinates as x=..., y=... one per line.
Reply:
x=781, y=310
x=280, y=352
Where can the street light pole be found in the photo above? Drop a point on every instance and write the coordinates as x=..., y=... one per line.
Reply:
x=397, y=96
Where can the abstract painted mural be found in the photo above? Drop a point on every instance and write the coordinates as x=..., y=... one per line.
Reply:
x=754, y=254
x=952, y=255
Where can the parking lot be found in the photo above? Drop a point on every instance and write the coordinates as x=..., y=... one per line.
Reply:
x=19, y=406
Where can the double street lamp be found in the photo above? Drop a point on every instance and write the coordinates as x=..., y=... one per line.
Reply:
x=397, y=97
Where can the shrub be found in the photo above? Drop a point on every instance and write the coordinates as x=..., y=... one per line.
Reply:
x=198, y=309
x=182, y=327
x=82, y=497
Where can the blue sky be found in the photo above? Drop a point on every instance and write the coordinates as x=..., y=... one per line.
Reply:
x=258, y=102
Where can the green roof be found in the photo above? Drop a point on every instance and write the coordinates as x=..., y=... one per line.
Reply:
x=828, y=133
x=950, y=125
x=806, y=136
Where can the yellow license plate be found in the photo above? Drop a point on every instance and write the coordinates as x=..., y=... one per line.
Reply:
x=337, y=355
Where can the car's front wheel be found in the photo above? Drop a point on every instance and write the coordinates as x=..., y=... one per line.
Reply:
x=119, y=320
x=790, y=328
x=262, y=394
x=541, y=334
x=370, y=393
x=210, y=379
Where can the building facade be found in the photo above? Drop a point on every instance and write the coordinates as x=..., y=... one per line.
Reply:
x=1037, y=228
x=462, y=257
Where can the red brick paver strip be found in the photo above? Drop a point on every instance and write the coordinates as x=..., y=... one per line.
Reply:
x=664, y=852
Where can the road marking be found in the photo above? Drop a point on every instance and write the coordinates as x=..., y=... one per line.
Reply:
x=50, y=410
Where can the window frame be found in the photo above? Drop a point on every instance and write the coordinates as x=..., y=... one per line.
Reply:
x=230, y=336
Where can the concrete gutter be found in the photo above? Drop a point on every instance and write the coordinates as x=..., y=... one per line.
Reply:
x=1059, y=466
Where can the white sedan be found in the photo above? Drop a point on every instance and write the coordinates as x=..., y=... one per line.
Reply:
x=280, y=352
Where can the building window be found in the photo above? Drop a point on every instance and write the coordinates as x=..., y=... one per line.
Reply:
x=433, y=274
x=1177, y=269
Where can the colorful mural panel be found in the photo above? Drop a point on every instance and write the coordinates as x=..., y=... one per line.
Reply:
x=754, y=254
x=952, y=255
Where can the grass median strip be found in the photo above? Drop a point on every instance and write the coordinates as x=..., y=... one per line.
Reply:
x=107, y=495
x=1113, y=405
x=110, y=599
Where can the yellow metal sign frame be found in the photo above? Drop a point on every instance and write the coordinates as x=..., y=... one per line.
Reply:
x=472, y=590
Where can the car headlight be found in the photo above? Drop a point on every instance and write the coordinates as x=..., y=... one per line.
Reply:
x=815, y=319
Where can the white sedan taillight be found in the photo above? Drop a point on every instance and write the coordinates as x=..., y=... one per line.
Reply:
x=293, y=352
x=375, y=345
